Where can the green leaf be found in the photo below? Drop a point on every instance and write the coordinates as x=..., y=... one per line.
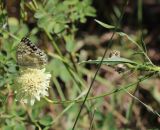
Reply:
x=55, y=15
x=13, y=24
x=60, y=70
x=105, y=25
x=39, y=14
x=90, y=11
x=46, y=120
x=35, y=113
x=19, y=127
x=70, y=43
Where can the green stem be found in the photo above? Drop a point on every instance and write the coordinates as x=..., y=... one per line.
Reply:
x=129, y=112
x=35, y=3
x=75, y=77
x=99, y=96
x=98, y=78
x=73, y=62
x=54, y=44
x=66, y=109
x=137, y=44
x=144, y=67
x=69, y=69
x=58, y=87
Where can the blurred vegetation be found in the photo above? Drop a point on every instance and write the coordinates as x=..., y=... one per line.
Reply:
x=126, y=90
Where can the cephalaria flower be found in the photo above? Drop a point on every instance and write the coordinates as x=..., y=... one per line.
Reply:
x=32, y=84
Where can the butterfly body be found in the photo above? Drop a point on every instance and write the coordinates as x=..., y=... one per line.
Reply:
x=29, y=55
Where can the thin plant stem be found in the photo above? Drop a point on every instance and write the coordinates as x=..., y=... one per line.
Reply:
x=99, y=66
x=129, y=112
x=75, y=77
x=139, y=12
x=58, y=87
x=35, y=3
x=102, y=95
x=65, y=64
x=67, y=108
x=73, y=62
x=149, y=108
x=140, y=48
x=98, y=78
x=92, y=121
x=78, y=100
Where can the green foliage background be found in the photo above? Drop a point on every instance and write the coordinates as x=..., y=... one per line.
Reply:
x=54, y=25
x=50, y=20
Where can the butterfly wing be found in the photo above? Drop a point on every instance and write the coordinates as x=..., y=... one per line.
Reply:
x=29, y=55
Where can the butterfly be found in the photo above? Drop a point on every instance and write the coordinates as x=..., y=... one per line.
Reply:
x=29, y=55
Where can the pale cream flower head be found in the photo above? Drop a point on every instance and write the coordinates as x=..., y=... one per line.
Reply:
x=32, y=84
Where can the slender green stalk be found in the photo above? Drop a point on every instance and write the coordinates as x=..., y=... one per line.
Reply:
x=140, y=11
x=98, y=78
x=137, y=44
x=92, y=121
x=58, y=87
x=75, y=77
x=99, y=96
x=129, y=112
x=69, y=69
x=66, y=109
x=54, y=44
x=35, y=3
x=149, y=108
x=77, y=100
x=73, y=62
x=12, y=35
x=99, y=66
